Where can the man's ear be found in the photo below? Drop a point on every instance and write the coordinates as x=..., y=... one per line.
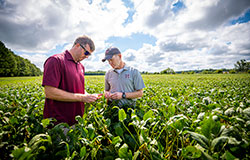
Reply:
x=76, y=45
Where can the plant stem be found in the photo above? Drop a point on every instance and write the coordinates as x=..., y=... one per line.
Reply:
x=130, y=133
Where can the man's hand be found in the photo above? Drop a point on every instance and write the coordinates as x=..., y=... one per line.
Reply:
x=89, y=98
x=64, y=96
x=107, y=94
x=116, y=95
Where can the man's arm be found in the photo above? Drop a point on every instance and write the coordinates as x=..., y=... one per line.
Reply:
x=136, y=94
x=129, y=95
x=61, y=95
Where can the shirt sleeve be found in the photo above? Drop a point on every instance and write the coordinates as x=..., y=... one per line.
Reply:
x=107, y=85
x=51, y=74
x=138, y=81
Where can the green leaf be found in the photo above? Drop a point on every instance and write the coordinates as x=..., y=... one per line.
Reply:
x=122, y=115
x=73, y=155
x=13, y=120
x=218, y=142
x=45, y=122
x=228, y=156
x=247, y=124
x=171, y=110
x=22, y=153
x=83, y=152
x=202, y=140
x=210, y=126
x=79, y=119
x=227, y=131
x=192, y=152
x=233, y=141
x=17, y=153
x=206, y=156
x=174, y=93
x=6, y=119
x=178, y=121
x=246, y=112
x=93, y=152
x=67, y=147
x=123, y=151
x=136, y=154
x=91, y=131
x=148, y=115
x=35, y=141
x=119, y=131
x=201, y=115
x=42, y=148
x=116, y=140
x=229, y=111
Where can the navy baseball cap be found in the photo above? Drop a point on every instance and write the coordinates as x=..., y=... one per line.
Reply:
x=110, y=52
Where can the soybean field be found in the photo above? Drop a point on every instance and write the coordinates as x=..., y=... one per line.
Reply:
x=179, y=117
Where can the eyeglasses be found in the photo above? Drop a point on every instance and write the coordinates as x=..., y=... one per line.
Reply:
x=86, y=52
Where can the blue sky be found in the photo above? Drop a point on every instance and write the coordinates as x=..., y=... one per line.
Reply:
x=242, y=19
x=151, y=34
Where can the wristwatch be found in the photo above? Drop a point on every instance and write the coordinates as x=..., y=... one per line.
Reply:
x=123, y=95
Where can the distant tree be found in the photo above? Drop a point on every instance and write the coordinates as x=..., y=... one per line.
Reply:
x=144, y=72
x=8, y=65
x=218, y=71
x=232, y=71
x=168, y=71
x=14, y=65
x=242, y=66
x=95, y=73
x=206, y=72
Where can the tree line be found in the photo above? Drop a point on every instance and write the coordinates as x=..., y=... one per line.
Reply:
x=241, y=66
x=13, y=65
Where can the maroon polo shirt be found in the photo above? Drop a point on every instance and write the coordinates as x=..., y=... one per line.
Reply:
x=62, y=72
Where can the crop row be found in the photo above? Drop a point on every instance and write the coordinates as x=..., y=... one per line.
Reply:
x=179, y=117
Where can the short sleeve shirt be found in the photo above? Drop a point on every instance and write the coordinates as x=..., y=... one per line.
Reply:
x=129, y=80
x=62, y=72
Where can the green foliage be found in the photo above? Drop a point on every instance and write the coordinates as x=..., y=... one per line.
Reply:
x=95, y=73
x=242, y=66
x=8, y=64
x=122, y=115
x=13, y=65
x=219, y=71
x=210, y=128
x=179, y=117
x=168, y=71
x=232, y=71
x=207, y=71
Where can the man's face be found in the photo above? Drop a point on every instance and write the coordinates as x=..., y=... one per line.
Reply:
x=82, y=52
x=115, y=61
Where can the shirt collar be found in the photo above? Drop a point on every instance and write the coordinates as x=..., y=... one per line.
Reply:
x=124, y=68
x=69, y=56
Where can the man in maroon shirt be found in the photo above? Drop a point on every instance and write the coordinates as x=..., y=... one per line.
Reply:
x=63, y=81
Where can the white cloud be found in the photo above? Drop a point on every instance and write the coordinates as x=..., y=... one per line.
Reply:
x=197, y=36
x=37, y=59
x=38, y=26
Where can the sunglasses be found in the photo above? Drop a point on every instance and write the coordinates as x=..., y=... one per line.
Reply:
x=86, y=52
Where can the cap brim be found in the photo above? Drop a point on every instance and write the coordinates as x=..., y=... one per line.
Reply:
x=107, y=57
